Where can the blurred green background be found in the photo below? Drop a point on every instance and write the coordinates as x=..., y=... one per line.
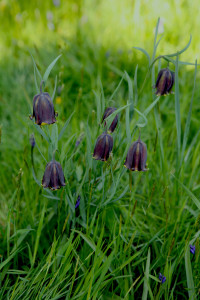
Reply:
x=96, y=40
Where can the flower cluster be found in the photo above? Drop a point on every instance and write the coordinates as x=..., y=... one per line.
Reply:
x=44, y=113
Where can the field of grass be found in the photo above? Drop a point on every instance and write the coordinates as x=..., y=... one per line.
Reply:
x=129, y=226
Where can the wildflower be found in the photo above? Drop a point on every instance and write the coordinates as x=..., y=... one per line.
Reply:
x=77, y=202
x=137, y=156
x=103, y=147
x=107, y=113
x=192, y=249
x=32, y=140
x=164, y=82
x=162, y=278
x=53, y=176
x=43, y=109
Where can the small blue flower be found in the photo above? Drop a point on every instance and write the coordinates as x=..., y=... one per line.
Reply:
x=162, y=278
x=192, y=249
x=77, y=202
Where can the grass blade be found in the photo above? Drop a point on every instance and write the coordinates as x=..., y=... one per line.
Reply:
x=146, y=278
x=50, y=67
x=177, y=111
x=64, y=127
x=189, y=276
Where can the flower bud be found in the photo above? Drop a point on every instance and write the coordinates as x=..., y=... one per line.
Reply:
x=53, y=176
x=137, y=156
x=164, y=82
x=107, y=113
x=103, y=147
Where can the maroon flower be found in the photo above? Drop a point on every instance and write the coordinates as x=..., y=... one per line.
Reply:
x=107, y=113
x=137, y=156
x=53, y=176
x=43, y=108
x=164, y=82
x=103, y=147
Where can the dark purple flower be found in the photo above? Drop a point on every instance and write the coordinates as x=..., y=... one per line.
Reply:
x=107, y=113
x=164, y=82
x=77, y=202
x=137, y=156
x=103, y=147
x=162, y=278
x=53, y=176
x=43, y=108
x=192, y=249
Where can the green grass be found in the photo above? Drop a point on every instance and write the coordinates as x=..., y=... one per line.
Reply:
x=129, y=227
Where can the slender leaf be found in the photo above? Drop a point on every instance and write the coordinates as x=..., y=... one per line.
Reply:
x=54, y=91
x=177, y=110
x=190, y=194
x=189, y=276
x=50, y=67
x=146, y=278
x=187, y=125
x=64, y=127
x=144, y=52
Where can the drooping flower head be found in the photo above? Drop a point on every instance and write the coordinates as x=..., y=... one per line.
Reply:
x=164, y=82
x=103, y=147
x=137, y=156
x=162, y=278
x=192, y=249
x=43, y=108
x=53, y=176
x=107, y=113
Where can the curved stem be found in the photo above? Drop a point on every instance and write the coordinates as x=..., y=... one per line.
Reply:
x=41, y=83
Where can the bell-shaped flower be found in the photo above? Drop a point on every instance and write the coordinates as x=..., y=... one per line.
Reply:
x=137, y=156
x=107, y=113
x=164, y=82
x=103, y=147
x=53, y=176
x=43, y=109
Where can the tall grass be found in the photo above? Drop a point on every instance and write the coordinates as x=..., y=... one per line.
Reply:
x=129, y=227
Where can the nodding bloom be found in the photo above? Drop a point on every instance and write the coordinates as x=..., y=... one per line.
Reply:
x=192, y=249
x=107, y=113
x=164, y=82
x=103, y=147
x=53, y=176
x=162, y=278
x=43, y=108
x=137, y=156
x=77, y=202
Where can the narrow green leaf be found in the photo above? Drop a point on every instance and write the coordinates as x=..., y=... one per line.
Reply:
x=187, y=125
x=177, y=111
x=41, y=132
x=117, y=88
x=130, y=89
x=189, y=276
x=64, y=127
x=144, y=52
x=128, y=131
x=144, y=117
x=190, y=194
x=99, y=107
x=50, y=67
x=183, y=50
x=146, y=277
x=135, y=85
x=54, y=136
x=38, y=234
x=54, y=91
